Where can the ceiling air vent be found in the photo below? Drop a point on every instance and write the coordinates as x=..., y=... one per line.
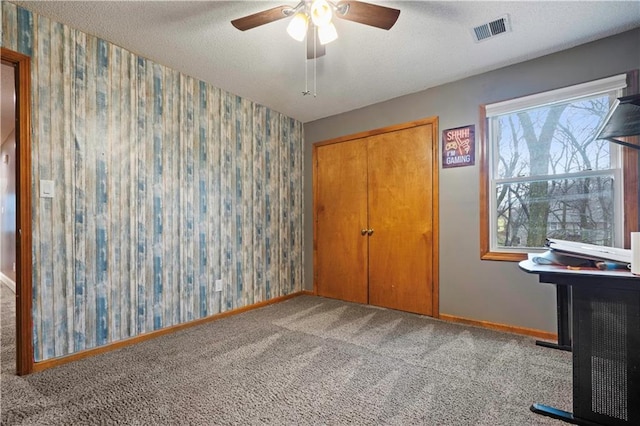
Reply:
x=492, y=29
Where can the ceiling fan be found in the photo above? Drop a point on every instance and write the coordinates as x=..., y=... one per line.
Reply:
x=313, y=19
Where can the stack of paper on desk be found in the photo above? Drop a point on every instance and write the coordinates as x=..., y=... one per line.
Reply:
x=572, y=253
x=590, y=251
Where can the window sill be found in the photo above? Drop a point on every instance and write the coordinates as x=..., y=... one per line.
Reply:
x=505, y=257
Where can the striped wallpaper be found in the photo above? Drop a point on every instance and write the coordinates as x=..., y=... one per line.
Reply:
x=163, y=184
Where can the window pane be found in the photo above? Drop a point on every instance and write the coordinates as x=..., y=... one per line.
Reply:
x=551, y=140
x=570, y=209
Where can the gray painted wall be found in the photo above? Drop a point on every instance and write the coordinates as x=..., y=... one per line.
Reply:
x=482, y=290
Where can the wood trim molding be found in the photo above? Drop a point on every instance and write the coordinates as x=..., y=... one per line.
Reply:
x=55, y=362
x=540, y=334
x=388, y=129
x=24, y=290
x=631, y=164
x=435, y=215
x=484, y=185
x=314, y=189
x=631, y=167
x=503, y=256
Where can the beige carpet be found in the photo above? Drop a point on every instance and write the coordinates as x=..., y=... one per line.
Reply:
x=306, y=361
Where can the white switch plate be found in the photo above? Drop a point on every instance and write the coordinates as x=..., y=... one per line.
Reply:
x=46, y=188
x=218, y=286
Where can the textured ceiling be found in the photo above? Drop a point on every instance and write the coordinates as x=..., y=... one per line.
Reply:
x=431, y=44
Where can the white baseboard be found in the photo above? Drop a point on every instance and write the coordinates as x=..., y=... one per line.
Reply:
x=8, y=282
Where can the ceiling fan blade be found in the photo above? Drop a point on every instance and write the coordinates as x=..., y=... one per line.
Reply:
x=312, y=37
x=260, y=18
x=368, y=14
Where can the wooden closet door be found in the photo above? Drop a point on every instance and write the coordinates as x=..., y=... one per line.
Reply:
x=401, y=215
x=341, y=214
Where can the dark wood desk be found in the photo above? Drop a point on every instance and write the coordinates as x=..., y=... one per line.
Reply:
x=605, y=308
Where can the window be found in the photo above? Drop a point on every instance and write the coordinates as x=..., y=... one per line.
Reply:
x=545, y=175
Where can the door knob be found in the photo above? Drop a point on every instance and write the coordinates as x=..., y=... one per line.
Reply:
x=370, y=232
x=363, y=232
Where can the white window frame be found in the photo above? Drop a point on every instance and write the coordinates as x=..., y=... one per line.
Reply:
x=567, y=94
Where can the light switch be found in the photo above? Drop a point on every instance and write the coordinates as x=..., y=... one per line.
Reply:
x=46, y=189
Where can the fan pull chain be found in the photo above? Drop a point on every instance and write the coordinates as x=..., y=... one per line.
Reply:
x=306, y=73
x=315, y=59
x=305, y=92
x=306, y=67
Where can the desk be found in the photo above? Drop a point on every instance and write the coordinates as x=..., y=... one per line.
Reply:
x=605, y=346
x=562, y=309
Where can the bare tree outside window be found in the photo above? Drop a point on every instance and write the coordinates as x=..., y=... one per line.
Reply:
x=552, y=177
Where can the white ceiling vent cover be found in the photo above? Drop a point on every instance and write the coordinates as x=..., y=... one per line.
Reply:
x=489, y=30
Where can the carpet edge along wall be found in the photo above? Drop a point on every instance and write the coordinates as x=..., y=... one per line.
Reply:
x=163, y=184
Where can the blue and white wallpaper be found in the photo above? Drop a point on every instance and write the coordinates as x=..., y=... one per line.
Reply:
x=163, y=184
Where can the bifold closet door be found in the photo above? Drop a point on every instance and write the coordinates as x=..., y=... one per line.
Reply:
x=401, y=216
x=341, y=215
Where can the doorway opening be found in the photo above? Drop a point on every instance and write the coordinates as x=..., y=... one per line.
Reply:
x=20, y=66
x=8, y=179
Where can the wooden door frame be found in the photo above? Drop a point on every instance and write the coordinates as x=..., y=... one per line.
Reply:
x=24, y=289
x=435, y=258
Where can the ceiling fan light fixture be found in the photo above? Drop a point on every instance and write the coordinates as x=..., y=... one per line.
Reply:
x=342, y=9
x=320, y=13
x=327, y=33
x=297, y=28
